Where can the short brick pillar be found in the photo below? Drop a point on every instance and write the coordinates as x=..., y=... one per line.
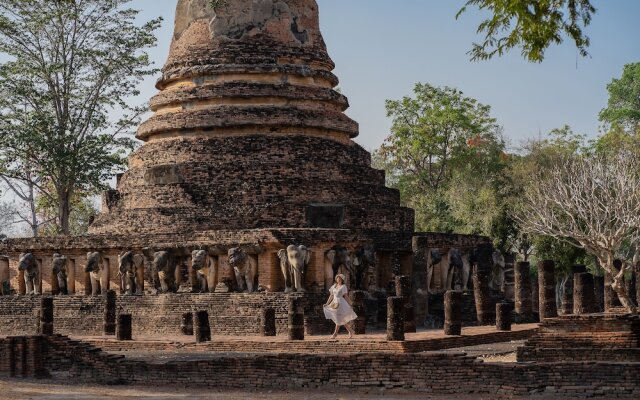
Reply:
x=485, y=310
x=109, y=323
x=268, y=322
x=453, y=313
x=395, y=319
x=46, y=315
x=124, y=328
x=296, y=319
x=403, y=289
x=358, y=301
x=583, y=294
x=186, y=324
x=523, y=303
x=547, y=289
x=201, y=326
x=503, y=316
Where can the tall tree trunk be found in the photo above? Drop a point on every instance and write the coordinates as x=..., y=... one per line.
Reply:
x=34, y=213
x=618, y=283
x=64, y=210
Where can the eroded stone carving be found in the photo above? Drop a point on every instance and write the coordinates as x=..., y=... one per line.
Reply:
x=245, y=268
x=435, y=258
x=29, y=265
x=497, y=272
x=97, y=272
x=364, y=258
x=59, y=263
x=337, y=257
x=454, y=274
x=129, y=265
x=206, y=270
x=293, y=263
x=164, y=263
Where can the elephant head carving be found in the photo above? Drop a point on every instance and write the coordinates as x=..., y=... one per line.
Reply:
x=96, y=269
x=497, y=272
x=206, y=270
x=164, y=263
x=130, y=265
x=29, y=266
x=245, y=268
x=435, y=258
x=364, y=257
x=293, y=263
x=59, y=263
x=455, y=273
x=337, y=257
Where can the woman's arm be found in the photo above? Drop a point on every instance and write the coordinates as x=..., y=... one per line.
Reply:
x=330, y=300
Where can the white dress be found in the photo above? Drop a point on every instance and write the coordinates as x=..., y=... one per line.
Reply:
x=343, y=313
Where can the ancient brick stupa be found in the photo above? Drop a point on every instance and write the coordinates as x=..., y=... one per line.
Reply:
x=249, y=147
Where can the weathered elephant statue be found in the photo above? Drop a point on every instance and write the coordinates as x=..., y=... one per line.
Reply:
x=497, y=273
x=97, y=272
x=363, y=258
x=164, y=263
x=435, y=258
x=130, y=265
x=293, y=263
x=60, y=271
x=456, y=266
x=467, y=263
x=29, y=265
x=245, y=268
x=206, y=270
x=337, y=257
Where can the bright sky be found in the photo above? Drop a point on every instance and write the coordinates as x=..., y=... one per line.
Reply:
x=382, y=48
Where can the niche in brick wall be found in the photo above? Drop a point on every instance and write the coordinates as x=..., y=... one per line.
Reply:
x=329, y=216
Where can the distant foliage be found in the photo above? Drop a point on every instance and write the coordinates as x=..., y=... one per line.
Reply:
x=623, y=108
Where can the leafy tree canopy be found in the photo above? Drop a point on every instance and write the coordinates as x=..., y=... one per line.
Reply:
x=531, y=25
x=623, y=109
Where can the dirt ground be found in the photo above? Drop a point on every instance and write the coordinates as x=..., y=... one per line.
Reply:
x=47, y=390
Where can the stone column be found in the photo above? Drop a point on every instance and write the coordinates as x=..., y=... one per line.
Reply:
x=598, y=291
x=296, y=319
x=419, y=278
x=636, y=274
x=547, y=289
x=46, y=315
x=453, y=313
x=202, y=329
x=403, y=289
x=358, y=300
x=123, y=331
x=583, y=294
x=109, y=324
x=523, y=304
x=481, y=275
x=186, y=325
x=395, y=319
x=508, y=283
x=503, y=316
x=268, y=322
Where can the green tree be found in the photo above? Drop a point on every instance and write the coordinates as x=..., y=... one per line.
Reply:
x=71, y=66
x=441, y=142
x=623, y=108
x=532, y=25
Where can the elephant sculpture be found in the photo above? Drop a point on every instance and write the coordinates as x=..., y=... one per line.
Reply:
x=455, y=272
x=293, y=263
x=245, y=268
x=497, y=272
x=435, y=258
x=98, y=273
x=206, y=270
x=364, y=257
x=164, y=264
x=337, y=257
x=29, y=266
x=59, y=263
x=130, y=265
x=467, y=262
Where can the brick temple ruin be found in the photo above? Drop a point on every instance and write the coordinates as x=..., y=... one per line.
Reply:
x=246, y=198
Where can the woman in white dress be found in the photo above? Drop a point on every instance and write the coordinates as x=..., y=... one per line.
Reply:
x=338, y=307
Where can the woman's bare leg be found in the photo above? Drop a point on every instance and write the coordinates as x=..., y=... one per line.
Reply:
x=335, y=332
x=349, y=330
